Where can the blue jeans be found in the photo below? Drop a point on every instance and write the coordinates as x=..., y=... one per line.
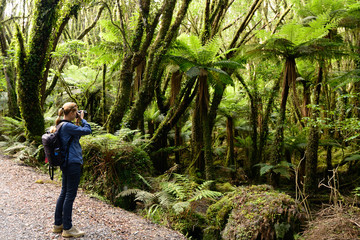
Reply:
x=70, y=183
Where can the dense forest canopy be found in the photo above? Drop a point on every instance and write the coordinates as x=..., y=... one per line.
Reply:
x=266, y=91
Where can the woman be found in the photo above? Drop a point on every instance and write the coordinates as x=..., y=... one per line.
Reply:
x=71, y=169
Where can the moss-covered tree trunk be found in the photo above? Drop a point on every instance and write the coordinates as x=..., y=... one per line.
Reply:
x=129, y=63
x=173, y=116
x=152, y=75
x=31, y=65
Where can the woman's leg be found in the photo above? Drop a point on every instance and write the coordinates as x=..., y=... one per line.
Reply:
x=60, y=201
x=72, y=184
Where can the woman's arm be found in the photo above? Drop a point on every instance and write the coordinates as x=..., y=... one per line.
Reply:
x=75, y=130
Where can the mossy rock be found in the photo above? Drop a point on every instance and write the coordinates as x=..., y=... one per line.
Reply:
x=261, y=213
x=253, y=212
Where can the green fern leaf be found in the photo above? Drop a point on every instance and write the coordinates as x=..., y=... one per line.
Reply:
x=128, y=192
x=200, y=194
x=145, y=197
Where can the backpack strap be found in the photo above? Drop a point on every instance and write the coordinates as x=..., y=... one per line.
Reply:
x=68, y=150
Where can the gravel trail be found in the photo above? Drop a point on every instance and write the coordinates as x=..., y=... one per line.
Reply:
x=27, y=208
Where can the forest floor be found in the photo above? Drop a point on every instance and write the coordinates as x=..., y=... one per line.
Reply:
x=27, y=204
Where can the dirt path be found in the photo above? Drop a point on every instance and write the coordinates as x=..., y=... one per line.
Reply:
x=26, y=210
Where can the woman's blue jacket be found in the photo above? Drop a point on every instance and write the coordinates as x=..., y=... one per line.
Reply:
x=69, y=130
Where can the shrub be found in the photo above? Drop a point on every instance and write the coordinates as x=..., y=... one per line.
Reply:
x=112, y=165
x=177, y=201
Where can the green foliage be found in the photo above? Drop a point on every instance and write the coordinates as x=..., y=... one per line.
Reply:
x=12, y=132
x=191, y=56
x=283, y=169
x=111, y=165
x=14, y=128
x=79, y=76
x=69, y=48
x=173, y=199
x=356, y=191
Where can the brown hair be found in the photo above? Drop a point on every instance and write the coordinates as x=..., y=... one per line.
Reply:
x=63, y=111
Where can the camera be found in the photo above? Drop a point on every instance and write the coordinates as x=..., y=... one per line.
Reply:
x=79, y=112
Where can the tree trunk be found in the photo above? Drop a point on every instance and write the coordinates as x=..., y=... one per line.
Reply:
x=264, y=132
x=122, y=100
x=172, y=117
x=254, y=138
x=103, y=117
x=312, y=146
x=203, y=110
x=130, y=61
x=164, y=38
x=278, y=145
x=31, y=67
x=197, y=141
x=230, y=159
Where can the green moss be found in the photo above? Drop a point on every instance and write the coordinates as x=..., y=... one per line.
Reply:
x=252, y=212
x=262, y=212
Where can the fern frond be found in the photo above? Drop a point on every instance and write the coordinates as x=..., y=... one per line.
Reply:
x=183, y=63
x=228, y=64
x=205, y=185
x=97, y=129
x=212, y=46
x=200, y=194
x=145, y=197
x=15, y=148
x=220, y=75
x=184, y=49
x=128, y=192
x=175, y=189
x=12, y=127
x=181, y=178
x=165, y=199
x=144, y=180
x=193, y=42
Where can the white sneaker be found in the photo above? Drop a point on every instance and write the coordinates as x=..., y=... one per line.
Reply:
x=72, y=232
